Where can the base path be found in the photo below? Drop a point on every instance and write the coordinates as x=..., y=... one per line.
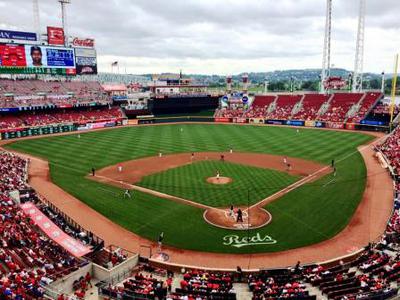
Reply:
x=367, y=224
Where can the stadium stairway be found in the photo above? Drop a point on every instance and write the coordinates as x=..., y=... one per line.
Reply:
x=297, y=107
x=272, y=106
x=355, y=108
x=242, y=291
x=324, y=107
x=315, y=291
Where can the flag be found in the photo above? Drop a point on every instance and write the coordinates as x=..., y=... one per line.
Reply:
x=115, y=63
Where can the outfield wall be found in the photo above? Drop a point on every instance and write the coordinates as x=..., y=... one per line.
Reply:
x=7, y=134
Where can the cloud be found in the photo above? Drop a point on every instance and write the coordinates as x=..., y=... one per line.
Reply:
x=219, y=36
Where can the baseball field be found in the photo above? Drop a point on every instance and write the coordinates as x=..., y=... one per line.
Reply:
x=310, y=213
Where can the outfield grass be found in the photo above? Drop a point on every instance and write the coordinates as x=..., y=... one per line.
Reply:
x=249, y=184
x=307, y=215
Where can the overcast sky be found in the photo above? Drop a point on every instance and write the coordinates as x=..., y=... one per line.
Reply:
x=219, y=36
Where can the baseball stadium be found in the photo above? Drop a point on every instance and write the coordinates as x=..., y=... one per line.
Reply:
x=167, y=188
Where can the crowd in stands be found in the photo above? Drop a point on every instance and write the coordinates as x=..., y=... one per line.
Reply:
x=206, y=284
x=338, y=107
x=284, y=108
x=311, y=106
x=277, y=286
x=366, y=106
x=30, y=93
x=236, y=112
x=384, y=108
x=391, y=149
x=46, y=117
x=139, y=286
x=28, y=258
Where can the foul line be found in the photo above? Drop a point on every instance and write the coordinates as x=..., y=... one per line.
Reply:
x=311, y=176
x=159, y=194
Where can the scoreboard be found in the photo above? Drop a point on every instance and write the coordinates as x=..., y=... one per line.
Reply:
x=36, y=59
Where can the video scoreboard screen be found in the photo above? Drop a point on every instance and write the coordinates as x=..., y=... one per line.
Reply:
x=36, y=59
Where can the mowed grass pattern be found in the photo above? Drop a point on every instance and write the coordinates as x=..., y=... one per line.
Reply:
x=249, y=184
x=307, y=215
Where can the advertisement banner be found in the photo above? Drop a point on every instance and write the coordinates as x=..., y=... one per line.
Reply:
x=86, y=65
x=55, y=36
x=309, y=123
x=319, y=124
x=275, y=122
x=239, y=120
x=334, y=125
x=335, y=83
x=17, y=35
x=294, y=123
x=86, y=61
x=257, y=120
x=78, y=42
x=85, y=52
x=73, y=246
x=222, y=120
x=350, y=126
x=368, y=122
x=33, y=59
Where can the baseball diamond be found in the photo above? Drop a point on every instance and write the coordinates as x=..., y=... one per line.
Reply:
x=199, y=150
x=319, y=211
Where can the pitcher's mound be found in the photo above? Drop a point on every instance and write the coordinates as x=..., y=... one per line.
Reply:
x=220, y=180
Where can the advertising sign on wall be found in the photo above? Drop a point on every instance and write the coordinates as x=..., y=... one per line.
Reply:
x=295, y=123
x=78, y=42
x=55, y=36
x=309, y=123
x=70, y=244
x=222, y=120
x=86, y=61
x=17, y=35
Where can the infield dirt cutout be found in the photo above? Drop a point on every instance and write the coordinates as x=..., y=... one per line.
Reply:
x=219, y=180
x=126, y=174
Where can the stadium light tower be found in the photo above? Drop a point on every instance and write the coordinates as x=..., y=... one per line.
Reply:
x=359, y=60
x=326, y=56
x=64, y=18
x=36, y=18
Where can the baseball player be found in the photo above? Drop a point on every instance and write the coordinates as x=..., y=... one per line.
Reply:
x=218, y=175
x=119, y=168
x=160, y=241
x=127, y=194
x=231, y=211
x=239, y=216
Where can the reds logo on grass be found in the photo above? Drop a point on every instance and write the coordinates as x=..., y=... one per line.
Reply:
x=239, y=242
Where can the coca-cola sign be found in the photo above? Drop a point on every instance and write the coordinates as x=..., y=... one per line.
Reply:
x=83, y=42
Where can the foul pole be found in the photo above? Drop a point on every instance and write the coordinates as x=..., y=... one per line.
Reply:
x=326, y=56
x=394, y=86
